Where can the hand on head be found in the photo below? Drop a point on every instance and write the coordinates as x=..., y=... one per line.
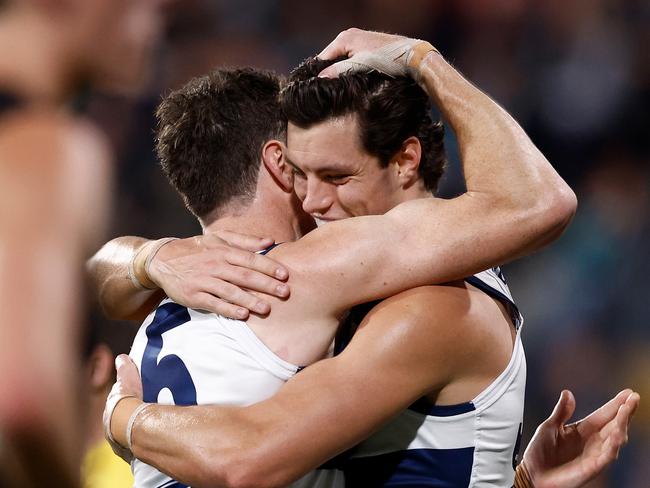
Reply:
x=366, y=50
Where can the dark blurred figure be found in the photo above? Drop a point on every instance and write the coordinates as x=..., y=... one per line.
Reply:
x=54, y=182
x=101, y=468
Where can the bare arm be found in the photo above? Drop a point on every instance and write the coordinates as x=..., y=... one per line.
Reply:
x=514, y=204
x=108, y=269
x=193, y=271
x=267, y=444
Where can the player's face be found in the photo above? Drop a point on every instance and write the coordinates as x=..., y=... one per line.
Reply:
x=333, y=176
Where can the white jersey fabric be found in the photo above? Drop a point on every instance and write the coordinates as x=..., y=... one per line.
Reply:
x=189, y=357
x=473, y=444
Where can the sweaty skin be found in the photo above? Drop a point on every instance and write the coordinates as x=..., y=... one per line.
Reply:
x=182, y=443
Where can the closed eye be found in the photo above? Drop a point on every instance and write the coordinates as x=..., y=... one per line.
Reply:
x=337, y=179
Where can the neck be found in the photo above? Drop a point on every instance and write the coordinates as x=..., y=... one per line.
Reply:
x=272, y=220
x=415, y=191
x=274, y=212
x=254, y=225
x=45, y=75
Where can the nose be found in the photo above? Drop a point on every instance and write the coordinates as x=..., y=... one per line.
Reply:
x=318, y=197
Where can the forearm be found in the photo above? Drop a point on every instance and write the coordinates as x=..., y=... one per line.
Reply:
x=192, y=445
x=419, y=242
x=265, y=444
x=108, y=270
x=202, y=446
x=515, y=204
x=500, y=163
x=515, y=201
x=268, y=444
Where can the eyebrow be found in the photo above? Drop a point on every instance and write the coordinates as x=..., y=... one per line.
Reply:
x=324, y=169
x=292, y=164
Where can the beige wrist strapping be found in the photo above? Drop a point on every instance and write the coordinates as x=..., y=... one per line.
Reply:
x=118, y=449
x=139, y=266
x=129, y=426
x=522, y=477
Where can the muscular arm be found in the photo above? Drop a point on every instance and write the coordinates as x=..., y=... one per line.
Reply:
x=109, y=271
x=400, y=348
x=515, y=203
x=182, y=265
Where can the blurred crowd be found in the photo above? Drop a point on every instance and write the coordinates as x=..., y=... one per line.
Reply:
x=575, y=74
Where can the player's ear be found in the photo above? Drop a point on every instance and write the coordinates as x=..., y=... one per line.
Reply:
x=407, y=162
x=276, y=165
x=101, y=367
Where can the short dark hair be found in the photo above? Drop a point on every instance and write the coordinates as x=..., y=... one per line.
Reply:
x=389, y=111
x=210, y=134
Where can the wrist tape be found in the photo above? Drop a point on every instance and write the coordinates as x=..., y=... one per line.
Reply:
x=129, y=426
x=121, y=451
x=522, y=478
x=139, y=266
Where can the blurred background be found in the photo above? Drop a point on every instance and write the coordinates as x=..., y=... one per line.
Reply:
x=574, y=73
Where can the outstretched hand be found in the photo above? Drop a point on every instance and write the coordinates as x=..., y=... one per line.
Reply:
x=214, y=272
x=568, y=455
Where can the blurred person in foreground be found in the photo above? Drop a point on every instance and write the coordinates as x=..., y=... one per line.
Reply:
x=322, y=280
x=54, y=179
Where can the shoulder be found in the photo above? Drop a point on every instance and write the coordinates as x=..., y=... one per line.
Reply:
x=437, y=304
x=427, y=306
x=438, y=323
x=413, y=336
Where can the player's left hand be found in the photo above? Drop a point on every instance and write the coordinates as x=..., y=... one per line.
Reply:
x=367, y=50
x=127, y=385
x=568, y=455
x=216, y=271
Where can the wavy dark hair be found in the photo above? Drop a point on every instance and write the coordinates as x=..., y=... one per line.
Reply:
x=210, y=134
x=389, y=111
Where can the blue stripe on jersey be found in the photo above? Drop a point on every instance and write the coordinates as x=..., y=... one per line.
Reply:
x=494, y=293
x=425, y=407
x=270, y=248
x=172, y=484
x=170, y=372
x=440, y=468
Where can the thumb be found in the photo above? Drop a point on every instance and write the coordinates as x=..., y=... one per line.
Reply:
x=564, y=409
x=123, y=362
x=334, y=70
